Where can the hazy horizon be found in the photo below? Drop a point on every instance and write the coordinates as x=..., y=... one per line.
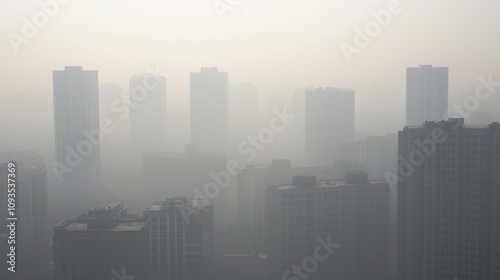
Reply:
x=296, y=42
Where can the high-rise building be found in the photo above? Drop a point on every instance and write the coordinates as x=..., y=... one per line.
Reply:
x=328, y=229
x=448, y=192
x=426, y=94
x=329, y=125
x=148, y=120
x=76, y=122
x=182, y=239
x=29, y=185
x=251, y=186
x=104, y=243
x=209, y=110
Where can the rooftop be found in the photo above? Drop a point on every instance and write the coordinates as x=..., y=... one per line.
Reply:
x=452, y=124
x=101, y=225
x=331, y=89
x=108, y=206
x=326, y=184
x=73, y=68
x=179, y=201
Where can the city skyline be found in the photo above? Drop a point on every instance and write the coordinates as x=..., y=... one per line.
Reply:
x=250, y=140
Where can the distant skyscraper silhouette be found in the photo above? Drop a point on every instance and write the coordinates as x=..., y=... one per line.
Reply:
x=426, y=94
x=209, y=110
x=76, y=115
x=329, y=123
x=448, y=197
x=148, y=120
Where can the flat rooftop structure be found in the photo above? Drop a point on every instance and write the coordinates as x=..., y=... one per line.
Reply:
x=77, y=224
x=177, y=201
x=453, y=123
x=108, y=206
x=326, y=184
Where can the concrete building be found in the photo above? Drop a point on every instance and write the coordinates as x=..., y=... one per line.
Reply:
x=328, y=229
x=76, y=122
x=329, y=125
x=148, y=120
x=182, y=239
x=426, y=94
x=30, y=190
x=251, y=186
x=209, y=110
x=448, y=218
x=104, y=243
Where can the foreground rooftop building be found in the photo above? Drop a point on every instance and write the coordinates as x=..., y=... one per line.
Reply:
x=182, y=239
x=448, y=201
x=105, y=243
x=339, y=228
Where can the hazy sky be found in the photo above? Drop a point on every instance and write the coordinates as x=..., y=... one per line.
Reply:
x=276, y=45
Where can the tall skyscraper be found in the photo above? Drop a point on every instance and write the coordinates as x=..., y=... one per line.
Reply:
x=148, y=120
x=76, y=119
x=448, y=197
x=329, y=124
x=209, y=110
x=426, y=94
x=182, y=239
x=104, y=243
x=30, y=190
x=351, y=216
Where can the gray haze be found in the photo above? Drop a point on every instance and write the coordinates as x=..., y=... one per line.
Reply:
x=323, y=100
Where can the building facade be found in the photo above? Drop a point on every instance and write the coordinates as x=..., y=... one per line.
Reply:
x=448, y=197
x=103, y=244
x=76, y=121
x=329, y=125
x=209, y=110
x=426, y=94
x=182, y=239
x=352, y=216
x=30, y=190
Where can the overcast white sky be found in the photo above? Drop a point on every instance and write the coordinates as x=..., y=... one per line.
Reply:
x=276, y=45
